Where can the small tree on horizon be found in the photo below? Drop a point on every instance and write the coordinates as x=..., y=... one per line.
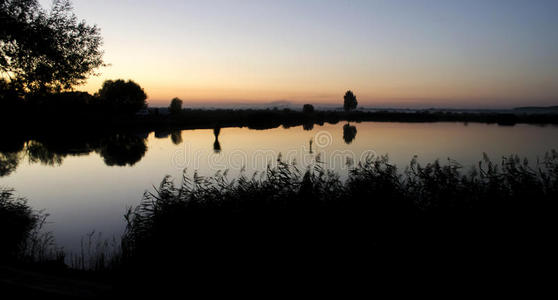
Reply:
x=308, y=108
x=350, y=102
x=175, y=106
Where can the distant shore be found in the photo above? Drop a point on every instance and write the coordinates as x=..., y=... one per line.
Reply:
x=157, y=119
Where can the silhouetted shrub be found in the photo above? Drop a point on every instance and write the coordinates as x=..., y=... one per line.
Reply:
x=17, y=220
x=122, y=96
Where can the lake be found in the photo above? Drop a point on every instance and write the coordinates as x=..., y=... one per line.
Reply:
x=87, y=184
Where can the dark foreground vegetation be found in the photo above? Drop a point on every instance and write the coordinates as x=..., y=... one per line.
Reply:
x=288, y=227
x=310, y=225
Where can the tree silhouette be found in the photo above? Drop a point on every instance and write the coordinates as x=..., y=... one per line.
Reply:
x=350, y=102
x=349, y=133
x=45, y=51
x=308, y=108
x=175, y=106
x=122, y=96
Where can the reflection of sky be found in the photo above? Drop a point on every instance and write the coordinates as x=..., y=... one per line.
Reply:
x=393, y=53
x=84, y=194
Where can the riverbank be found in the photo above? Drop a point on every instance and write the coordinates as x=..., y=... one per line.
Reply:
x=45, y=122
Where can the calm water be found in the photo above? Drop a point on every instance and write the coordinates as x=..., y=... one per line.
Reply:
x=89, y=186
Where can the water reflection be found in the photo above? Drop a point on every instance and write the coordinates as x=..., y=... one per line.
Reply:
x=128, y=148
x=308, y=126
x=39, y=153
x=83, y=188
x=349, y=133
x=176, y=137
x=115, y=149
x=310, y=144
x=162, y=134
x=216, y=144
x=122, y=150
x=8, y=163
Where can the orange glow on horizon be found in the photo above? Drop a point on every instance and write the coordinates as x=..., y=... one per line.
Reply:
x=383, y=94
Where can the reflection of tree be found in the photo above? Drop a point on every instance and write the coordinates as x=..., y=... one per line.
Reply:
x=308, y=126
x=10, y=147
x=11, y=144
x=176, y=137
x=349, y=133
x=8, y=163
x=38, y=152
x=216, y=144
x=122, y=150
x=162, y=134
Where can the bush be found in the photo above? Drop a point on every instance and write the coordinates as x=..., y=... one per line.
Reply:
x=17, y=220
x=22, y=232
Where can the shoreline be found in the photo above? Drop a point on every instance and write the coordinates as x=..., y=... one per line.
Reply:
x=252, y=118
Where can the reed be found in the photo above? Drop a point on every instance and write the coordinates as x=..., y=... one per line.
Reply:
x=24, y=238
x=291, y=217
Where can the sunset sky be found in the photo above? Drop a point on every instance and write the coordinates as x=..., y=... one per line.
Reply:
x=459, y=54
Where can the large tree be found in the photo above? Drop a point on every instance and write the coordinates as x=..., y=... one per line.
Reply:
x=46, y=50
x=124, y=97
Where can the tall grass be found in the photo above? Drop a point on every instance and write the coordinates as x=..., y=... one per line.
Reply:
x=24, y=238
x=97, y=253
x=287, y=218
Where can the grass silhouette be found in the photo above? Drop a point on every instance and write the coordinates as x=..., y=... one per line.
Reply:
x=292, y=223
x=289, y=227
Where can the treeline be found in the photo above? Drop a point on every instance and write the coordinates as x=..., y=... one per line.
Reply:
x=90, y=113
x=271, y=118
x=116, y=100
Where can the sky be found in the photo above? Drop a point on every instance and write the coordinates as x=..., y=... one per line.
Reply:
x=416, y=53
